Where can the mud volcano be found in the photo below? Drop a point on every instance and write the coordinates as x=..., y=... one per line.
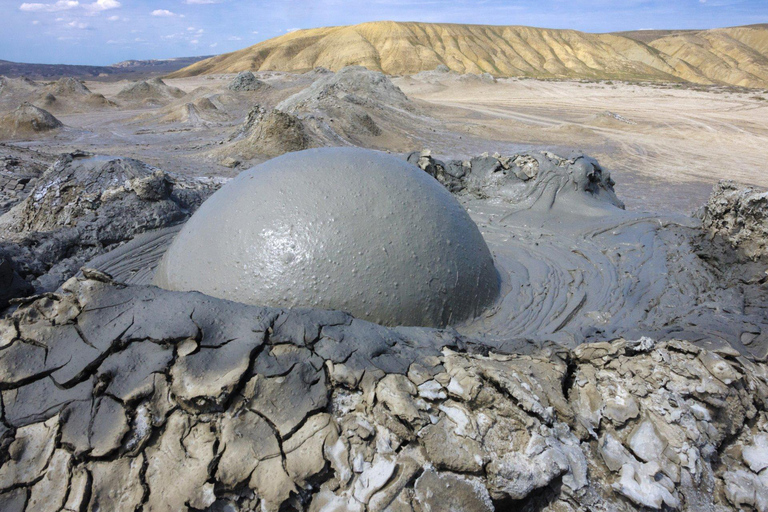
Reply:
x=337, y=228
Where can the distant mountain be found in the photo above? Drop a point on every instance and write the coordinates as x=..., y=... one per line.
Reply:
x=131, y=69
x=732, y=56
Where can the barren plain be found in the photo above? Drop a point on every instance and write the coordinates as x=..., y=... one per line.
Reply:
x=667, y=145
x=621, y=366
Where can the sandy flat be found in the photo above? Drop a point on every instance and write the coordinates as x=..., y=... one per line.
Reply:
x=664, y=136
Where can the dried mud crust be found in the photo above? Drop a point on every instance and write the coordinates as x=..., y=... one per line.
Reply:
x=111, y=392
x=83, y=206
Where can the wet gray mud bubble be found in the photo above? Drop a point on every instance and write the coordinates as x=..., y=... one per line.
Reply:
x=337, y=228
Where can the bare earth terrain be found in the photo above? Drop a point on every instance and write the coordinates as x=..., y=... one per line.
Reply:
x=666, y=145
x=620, y=363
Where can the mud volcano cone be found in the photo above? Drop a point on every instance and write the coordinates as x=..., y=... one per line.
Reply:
x=337, y=228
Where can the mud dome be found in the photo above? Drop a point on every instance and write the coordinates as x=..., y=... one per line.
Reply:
x=337, y=228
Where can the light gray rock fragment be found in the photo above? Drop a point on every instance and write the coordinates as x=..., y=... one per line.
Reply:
x=304, y=388
x=49, y=493
x=29, y=454
x=187, y=449
x=116, y=485
x=446, y=491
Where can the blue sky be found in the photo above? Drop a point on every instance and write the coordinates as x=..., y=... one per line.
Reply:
x=107, y=31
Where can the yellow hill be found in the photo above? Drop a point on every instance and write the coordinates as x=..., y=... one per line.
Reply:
x=729, y=56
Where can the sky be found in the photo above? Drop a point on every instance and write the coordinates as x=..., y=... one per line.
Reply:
x=103, y=32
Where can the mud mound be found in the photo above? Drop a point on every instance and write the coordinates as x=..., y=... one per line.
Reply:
x=19, y=170
x=201, y=112
x=68, y=87
x=27, y=121
x=154, y=90
x=23, y=85
x=353, y=106
x=237, y=247
x=268, y=133
x=194, y=114
x=83, y=206
x=97, y=100
x=532, y=181
x=354, y=85
x=205, y=104
x=246, y=81
x=739, y=215
x=48, y=101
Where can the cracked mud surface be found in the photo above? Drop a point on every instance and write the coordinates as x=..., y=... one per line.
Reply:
x=130, y=397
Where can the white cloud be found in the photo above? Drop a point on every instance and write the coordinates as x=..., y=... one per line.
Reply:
x=292, y=29
x=255, y=31
x=78, y=24
x=202, y=2
x=190, y=28
x=235, y=38
x=163, y=13
x=194, y=41
x=214, y=45
x=36, y=22
x=102, y=5
x=114, y=18
x=61, y=5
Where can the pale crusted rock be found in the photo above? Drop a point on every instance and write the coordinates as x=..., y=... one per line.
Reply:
x=184, y=449
x=321, y=412
x=304, y=388
x=756, y=454
x=272, y=484
x=645, y=485
x=447, y=450
x=304, y=451
x=49, y=493
x=206, y=379
x=78, y=487
x=645, y=442
x=327, y=501
x=373, y=477
x=117, y=484
x=409, y=464
x=745, y=488
x=29, y=453
x=516, y=474
x=446, y=491
x=398, y=394
x=246, y=439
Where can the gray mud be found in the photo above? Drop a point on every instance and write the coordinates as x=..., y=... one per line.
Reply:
x=575, y=266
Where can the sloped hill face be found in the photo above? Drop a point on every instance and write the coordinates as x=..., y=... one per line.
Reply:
x=735, y=56
x=406, y=48
x=725, y=56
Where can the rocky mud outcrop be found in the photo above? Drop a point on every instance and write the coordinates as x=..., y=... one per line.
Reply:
x=623, y=369
x=350, y=106
x=111, y=393
x=739, y=216
x=27, y=121
x=270, y=133
x=83, y=206
x=150, y=91
x=246, y=81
